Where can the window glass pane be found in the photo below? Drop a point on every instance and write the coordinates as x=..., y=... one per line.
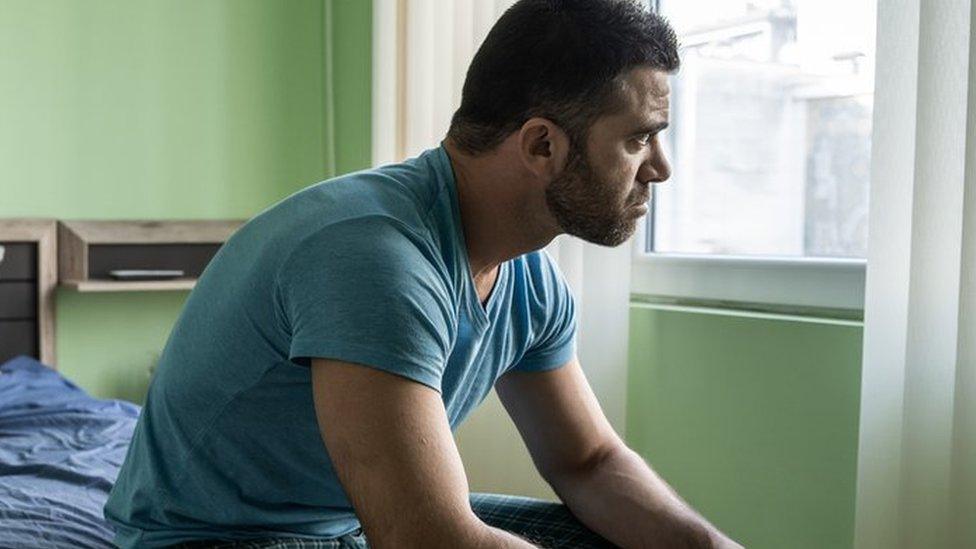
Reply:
x=770, y=135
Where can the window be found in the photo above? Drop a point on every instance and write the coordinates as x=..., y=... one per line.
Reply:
x=770, y=142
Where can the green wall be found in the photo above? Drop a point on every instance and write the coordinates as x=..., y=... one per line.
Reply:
x=120, y=109
x=116, y=109
x=752, y=417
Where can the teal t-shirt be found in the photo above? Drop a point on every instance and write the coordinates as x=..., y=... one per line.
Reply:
x=369, y=268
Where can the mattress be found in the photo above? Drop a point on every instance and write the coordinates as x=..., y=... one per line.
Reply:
x=60, y=452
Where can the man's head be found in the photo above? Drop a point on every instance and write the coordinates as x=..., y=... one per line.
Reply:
x=583, y=84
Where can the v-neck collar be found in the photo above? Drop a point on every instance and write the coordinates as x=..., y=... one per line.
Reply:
x=478, y=313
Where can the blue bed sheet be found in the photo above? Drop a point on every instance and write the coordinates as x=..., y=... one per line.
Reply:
x=60, y=452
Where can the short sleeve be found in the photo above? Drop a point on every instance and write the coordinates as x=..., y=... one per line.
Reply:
x=368, y=291
x=553, y=317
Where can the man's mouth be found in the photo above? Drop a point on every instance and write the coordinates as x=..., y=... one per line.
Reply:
x=642, y=201
x=639, y=208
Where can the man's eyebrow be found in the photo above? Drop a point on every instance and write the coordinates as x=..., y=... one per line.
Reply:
x=652, y=128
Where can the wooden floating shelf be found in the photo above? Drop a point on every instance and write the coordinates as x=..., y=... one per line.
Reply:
x=130, y=285
x=91, y=250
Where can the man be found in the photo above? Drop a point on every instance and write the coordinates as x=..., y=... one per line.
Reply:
x=308, y=392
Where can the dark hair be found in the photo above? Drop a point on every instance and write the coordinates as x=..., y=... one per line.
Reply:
x=557, y=59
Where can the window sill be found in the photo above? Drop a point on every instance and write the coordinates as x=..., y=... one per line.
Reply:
x=759, y=310
x=753, y=282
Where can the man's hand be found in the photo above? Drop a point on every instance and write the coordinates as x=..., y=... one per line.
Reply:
x=392, y=449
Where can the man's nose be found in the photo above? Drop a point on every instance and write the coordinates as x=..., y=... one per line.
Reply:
x=656, y=169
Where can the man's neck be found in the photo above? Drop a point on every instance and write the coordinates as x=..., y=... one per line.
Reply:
x=503, y=210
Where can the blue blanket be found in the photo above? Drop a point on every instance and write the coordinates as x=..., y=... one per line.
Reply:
x=60, y=451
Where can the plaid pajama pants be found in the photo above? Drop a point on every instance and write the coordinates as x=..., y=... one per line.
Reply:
x=543, y=523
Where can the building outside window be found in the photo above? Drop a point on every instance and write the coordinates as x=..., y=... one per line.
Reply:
x=770, y=135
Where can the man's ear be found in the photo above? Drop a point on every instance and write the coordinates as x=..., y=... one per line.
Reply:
x=543, y=147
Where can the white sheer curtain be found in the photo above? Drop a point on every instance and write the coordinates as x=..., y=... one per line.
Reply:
x=421, y=52
x=422, y=49
x=917, y=457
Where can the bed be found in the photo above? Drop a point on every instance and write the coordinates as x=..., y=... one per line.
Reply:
x=60, y=452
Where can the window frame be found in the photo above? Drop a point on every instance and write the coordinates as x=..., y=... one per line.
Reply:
x=797, y=282
x=792, y=282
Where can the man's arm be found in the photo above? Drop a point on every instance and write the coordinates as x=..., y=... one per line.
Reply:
x=607, y=486
x=392, y=449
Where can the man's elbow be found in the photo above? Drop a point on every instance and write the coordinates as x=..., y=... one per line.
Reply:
x=582, y=464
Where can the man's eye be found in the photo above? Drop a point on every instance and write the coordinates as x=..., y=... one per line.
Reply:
x=646, y=139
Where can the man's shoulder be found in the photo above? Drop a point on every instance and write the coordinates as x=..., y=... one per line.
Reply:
x=366, y=205
x=541, y=272
x=369, y=239
x=400, y=190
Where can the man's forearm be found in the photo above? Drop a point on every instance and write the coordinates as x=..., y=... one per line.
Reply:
x=622, y=499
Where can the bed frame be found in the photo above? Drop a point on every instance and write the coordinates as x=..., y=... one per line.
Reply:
x=28, y=281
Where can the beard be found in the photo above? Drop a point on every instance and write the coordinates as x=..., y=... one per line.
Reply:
x=586, y=205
